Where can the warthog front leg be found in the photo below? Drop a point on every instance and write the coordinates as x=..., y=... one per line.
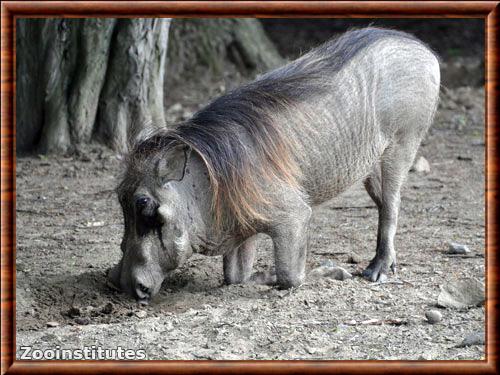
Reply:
x=290, y=238
x=238, y=263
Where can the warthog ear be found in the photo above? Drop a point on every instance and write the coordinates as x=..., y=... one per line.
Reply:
x=173, y=163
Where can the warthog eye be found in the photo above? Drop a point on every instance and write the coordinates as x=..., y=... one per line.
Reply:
x=142, y=202
x=147, y=213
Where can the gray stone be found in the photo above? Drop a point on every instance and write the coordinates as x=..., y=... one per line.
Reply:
x=456, y=248
x=421, y=165
x=461, y=294
x=337, y=273
x=473, y=338
x=433, y=316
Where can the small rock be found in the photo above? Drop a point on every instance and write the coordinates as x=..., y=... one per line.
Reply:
x=353, y=258
x=456, y=248
x=474, y=338
x=337, y=273
x=433, y=316
x=462, y=294
x=311, y=350
x=52, y=324
x=421, y=166
x=141, y=314
x=91, y=224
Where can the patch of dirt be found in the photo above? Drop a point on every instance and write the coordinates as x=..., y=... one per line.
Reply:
x=69, y=228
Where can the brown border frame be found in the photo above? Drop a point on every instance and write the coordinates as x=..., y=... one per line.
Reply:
x=488, y=10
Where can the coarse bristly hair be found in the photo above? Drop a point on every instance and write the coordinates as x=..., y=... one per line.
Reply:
x=239, y=138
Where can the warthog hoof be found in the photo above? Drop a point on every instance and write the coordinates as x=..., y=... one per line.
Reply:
x=378, y=269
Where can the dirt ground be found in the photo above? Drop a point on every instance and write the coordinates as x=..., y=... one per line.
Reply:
x=69, y=227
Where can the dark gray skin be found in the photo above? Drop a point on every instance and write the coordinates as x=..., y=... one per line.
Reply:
x=368, y=127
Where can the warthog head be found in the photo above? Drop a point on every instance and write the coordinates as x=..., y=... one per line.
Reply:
x=161, y=215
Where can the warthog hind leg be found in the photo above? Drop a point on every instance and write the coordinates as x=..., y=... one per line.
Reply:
x=384, y=186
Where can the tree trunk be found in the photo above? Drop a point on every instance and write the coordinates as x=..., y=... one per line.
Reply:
x=104, y=79
x=72, y=76
x=29, y=107
x=65, y=73
x=95, y=39
x=210, y=47
x=132, y=98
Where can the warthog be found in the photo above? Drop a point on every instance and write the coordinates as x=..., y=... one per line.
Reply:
x=257, y=159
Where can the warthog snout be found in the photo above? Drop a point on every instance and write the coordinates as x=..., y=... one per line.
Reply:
x=140, y=280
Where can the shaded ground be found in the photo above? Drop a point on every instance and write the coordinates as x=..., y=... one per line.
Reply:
x=69, y=228
x=450, y=38
x=459, y=42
